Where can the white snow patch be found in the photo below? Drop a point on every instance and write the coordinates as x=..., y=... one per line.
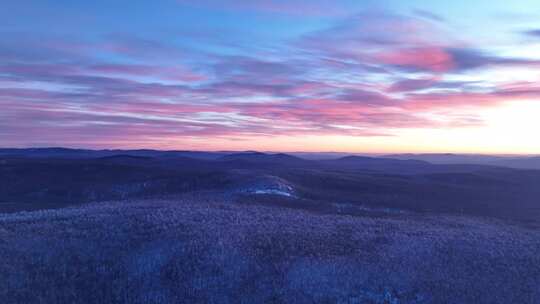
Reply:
x=273, y=191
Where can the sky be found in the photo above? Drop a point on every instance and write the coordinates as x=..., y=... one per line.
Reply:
x=286, y=75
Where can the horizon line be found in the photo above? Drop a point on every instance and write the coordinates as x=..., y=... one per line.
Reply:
x=274, y=151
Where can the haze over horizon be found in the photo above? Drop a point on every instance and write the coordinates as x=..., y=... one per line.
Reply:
x=314, y=76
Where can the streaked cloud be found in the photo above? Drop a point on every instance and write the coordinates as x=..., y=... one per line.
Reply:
x=358, y=72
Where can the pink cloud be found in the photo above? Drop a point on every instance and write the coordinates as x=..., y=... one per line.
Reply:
x=455, y=100
x=434, y=59
x=367, y=76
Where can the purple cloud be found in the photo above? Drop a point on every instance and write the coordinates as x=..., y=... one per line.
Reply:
x=365, y=75
x=533, y=33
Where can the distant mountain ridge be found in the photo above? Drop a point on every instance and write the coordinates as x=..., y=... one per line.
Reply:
x=259, y=156
x=518, y=162
x=368, y=159
x=44, y=180
x=87, y=153
x=296, y=158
